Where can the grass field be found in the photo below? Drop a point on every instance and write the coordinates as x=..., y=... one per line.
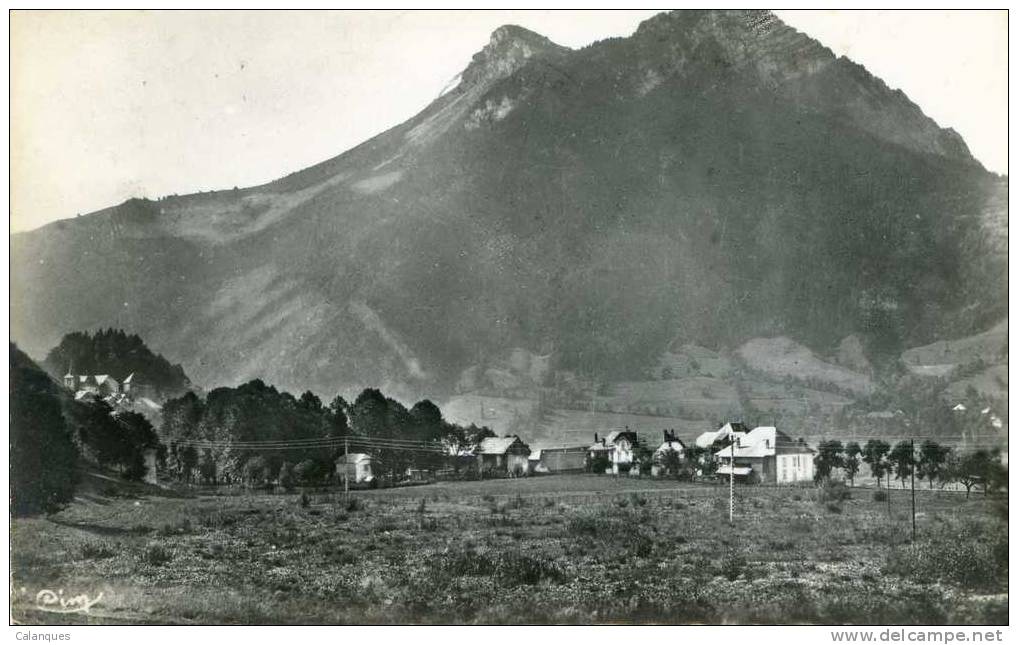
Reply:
x=556, y=549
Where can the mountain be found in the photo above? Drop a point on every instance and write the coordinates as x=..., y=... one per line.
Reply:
x=714, y=178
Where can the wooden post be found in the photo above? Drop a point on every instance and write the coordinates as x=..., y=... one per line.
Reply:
x=346, y=469
x=913, y=490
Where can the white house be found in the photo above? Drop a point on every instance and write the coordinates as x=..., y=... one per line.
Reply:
x=356, y=467
x=767, y=455
x=619, y=446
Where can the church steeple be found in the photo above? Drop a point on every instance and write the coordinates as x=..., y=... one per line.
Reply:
x=70, y=380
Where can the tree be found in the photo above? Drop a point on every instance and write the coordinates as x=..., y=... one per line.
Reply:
x=932, y=460
x=256, y=471
x=850, y=462
x=980, y=467
x=875, y=456
x=43, y=457
x=902, y=460
x=287, y=479
x=828, y=457
x=308, y=472
x=672, y=463
x=311, y=401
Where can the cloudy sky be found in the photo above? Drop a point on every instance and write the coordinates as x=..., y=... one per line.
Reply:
x=111, y=105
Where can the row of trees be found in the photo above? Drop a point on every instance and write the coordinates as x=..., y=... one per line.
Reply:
x=206, y=438
x=933, y=462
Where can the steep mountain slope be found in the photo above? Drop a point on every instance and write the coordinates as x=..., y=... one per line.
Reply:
x=715, y=177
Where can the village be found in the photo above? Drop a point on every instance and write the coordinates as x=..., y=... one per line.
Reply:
x=761, y=455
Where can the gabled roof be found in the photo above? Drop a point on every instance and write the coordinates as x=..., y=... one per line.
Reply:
x=102, y=378
x=614, y=436
x=764, y=441
x=707, y=439
x=676, y=446
x=496, y=445
x=130, y=378
x=354, y=458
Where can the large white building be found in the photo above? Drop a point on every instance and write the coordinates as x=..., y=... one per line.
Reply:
x=767, y=455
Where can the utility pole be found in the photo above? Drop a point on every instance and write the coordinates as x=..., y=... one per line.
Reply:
x=913, y=490
x=346, y=469
x=731, y=486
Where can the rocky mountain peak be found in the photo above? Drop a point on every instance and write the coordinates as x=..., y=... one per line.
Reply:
x=508, y=49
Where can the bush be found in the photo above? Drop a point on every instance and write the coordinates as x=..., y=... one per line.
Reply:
x=834, y=490
x=833, y=508
x=156, y=555
x=355, y=504
x=97, y=550
x=880, y=496
x=732, y=566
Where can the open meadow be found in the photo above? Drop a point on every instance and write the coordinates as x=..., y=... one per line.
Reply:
x=554, y=549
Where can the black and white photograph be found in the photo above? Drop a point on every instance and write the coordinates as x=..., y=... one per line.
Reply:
x=691, y=317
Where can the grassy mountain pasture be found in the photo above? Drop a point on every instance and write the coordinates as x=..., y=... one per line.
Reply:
x=565, y=549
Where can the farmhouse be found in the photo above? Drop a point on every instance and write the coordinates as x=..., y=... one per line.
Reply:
x=620, y=448
x=503, y=455
x=767, y=455
x=355, y=467
x=671, y=445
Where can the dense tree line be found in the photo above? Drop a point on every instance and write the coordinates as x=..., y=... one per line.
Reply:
x=114, y=352
x=206, y=438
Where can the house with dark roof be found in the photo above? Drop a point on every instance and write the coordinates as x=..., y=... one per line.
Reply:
x=671, y=445
x=620, y=447
x=503, y=455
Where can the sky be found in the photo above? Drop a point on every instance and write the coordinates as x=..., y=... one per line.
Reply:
x=106, y=106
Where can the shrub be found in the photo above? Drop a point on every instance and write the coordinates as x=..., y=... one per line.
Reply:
x=732, y=566
x=833, y=508
x=305, y=501
x=355, y=504
x=156, y=555
x=422, y=506
x=834, y=490
x=97, y=550
x=880, y=496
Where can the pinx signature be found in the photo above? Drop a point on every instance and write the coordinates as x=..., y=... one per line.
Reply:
x=56, y=602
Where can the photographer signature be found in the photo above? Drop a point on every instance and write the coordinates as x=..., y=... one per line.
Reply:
x=57, y=602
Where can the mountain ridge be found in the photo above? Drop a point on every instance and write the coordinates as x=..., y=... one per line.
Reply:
x=543, y=200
